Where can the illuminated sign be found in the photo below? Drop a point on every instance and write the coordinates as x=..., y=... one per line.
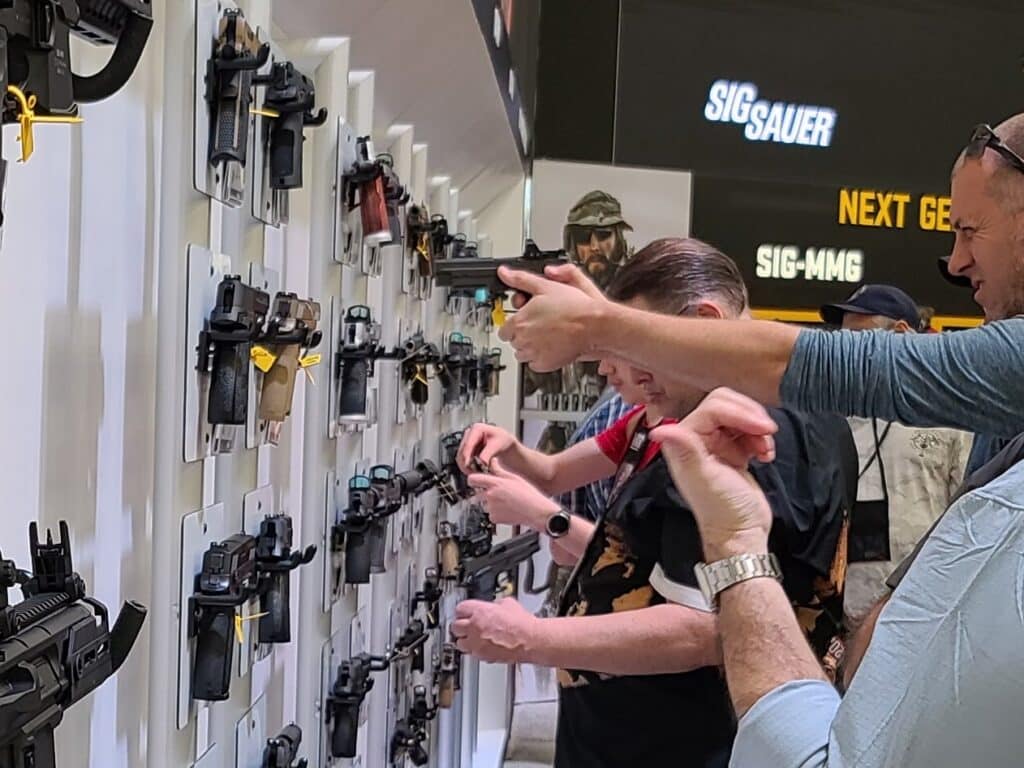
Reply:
x=874, y=208
x=730, y=101
x=830, y=265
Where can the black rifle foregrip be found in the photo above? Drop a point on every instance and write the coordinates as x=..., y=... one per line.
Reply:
x=344, y=730
x=229, y=383
x=357, y=556
x=120, y=67
x=215, y=645
x=352, y=393
x=286, y=151
x=275, y=626
x=125, y=630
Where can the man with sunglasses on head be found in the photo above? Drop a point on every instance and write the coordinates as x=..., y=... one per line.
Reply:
x=940, y=683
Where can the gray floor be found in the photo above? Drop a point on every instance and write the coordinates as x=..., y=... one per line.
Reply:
x=532, y=741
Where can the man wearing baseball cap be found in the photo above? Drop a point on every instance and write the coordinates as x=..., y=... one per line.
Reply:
x=873, y=307
x=907, y=475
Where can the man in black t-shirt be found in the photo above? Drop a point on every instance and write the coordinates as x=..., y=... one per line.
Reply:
x=635, y=642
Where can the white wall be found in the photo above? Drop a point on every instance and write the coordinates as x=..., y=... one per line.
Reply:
x=92, y=275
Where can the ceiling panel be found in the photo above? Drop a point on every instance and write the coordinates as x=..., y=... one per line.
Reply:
x=432, y=69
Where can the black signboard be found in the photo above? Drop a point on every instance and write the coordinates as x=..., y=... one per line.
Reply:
x=803, y=245
x=858, y=92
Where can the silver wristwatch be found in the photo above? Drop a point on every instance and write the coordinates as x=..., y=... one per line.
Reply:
x=716, y=577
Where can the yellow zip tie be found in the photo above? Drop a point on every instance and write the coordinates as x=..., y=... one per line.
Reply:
x=239, y=636
x=27, y=117
x=498, y=313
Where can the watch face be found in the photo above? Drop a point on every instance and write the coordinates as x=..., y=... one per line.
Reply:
x=558, y=524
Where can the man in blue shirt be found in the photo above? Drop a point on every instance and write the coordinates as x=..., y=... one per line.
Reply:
x=940, y=682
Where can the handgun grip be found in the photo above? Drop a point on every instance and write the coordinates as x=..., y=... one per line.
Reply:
x=483, y=587
x=279, y=385
x=357, y=556
x=286, y=151
x=229, y=384
x=215, y=646
x=446, y=691
x=378, y=545
x=373, y=210
x=344, y=730
x=354, y=383
x=275, y=626
x=229, y=128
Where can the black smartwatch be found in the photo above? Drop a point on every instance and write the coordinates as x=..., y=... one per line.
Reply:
x=558, y=524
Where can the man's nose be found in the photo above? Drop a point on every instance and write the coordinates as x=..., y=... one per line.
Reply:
x=960, y=259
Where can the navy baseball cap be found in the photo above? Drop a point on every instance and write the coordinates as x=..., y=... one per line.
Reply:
x=885, y=300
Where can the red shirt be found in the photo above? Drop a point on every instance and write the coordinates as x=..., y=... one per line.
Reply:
x=614, y=441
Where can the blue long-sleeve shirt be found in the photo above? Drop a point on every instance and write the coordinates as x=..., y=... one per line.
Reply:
x=939, y=686
x=972, y=380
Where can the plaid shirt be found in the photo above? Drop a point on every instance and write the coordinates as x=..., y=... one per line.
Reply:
x=590, y=500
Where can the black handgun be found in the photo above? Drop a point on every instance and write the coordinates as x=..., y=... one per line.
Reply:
x=486, y=576
x=410, y=736
x=282, y=751
x=429, y=596
x=225, y=347
x=292, y=96
x=421, y=358
x=453, y=369
x=393, y=492
x=275, y=560
x=237, y=55
x=426, y=238
x=229, y=578
x=37, y=82
x=55, y=648
x=407, y=741
x=353, y=531
x=454, y=480
x=291, y=332
x=411, y=643
x=465, y=273
x=350, y=688
x=359, y=349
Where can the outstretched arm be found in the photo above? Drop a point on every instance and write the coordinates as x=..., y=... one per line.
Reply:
x=659, y=640
x=967, y=380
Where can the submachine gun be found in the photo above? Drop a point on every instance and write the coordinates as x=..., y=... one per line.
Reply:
x=55, y=649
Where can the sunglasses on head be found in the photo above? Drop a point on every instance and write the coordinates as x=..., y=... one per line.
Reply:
x=982, y=138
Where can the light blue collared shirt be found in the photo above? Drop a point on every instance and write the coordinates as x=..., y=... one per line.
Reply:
x=942, y=682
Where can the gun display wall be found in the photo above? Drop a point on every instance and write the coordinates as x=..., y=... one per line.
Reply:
x=327, y=339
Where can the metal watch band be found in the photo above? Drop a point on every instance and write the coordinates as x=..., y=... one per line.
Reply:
x=714, y=578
